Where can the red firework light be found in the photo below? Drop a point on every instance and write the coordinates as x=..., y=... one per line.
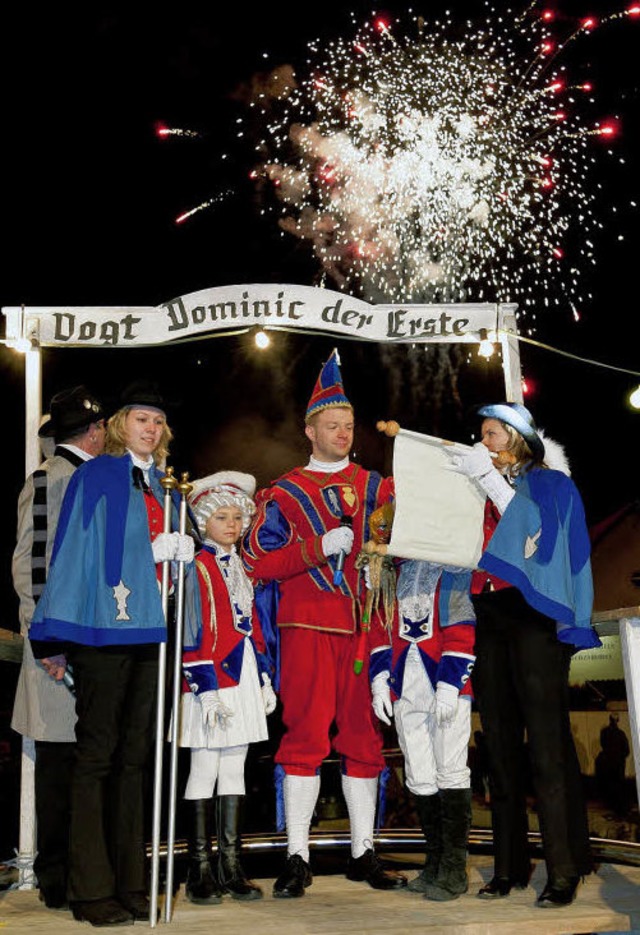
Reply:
x=608, y=129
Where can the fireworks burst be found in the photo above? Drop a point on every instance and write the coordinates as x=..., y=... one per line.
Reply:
x=448, y=164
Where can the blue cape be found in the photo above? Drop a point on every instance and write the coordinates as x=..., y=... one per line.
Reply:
x=541, y=546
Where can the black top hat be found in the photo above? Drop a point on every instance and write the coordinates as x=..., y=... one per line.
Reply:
x=71, y=411
x=143, y=395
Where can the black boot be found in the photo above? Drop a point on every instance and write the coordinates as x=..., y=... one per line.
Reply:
x=231, y=876
x=451, y=880
x=430, y=814
x=201, y=886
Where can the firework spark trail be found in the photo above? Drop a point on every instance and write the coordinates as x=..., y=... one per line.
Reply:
x=203, y=206
x=451, y=164
x=164, y=132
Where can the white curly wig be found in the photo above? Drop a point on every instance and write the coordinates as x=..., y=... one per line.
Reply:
x=225, y=488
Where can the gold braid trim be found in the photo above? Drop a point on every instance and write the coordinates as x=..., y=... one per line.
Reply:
x=318, y=557
x=213, y=623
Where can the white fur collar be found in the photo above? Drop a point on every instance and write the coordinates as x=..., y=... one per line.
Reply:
x=554, y=455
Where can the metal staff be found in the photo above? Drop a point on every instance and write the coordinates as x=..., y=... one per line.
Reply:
x=169, y=483
x=185, y=488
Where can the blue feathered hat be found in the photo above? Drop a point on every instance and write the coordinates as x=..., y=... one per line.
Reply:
x=520, y=419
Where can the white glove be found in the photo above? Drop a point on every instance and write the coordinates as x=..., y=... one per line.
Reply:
x=478, y=464
x=172, y=547
x=269, y=697
x=185, y=548
x=497, y=488
x=381, y=700
x=337, y=540
x=474, y=463
x=366, y=571
x=446, y=703
x=213, y=710
x=164, y=547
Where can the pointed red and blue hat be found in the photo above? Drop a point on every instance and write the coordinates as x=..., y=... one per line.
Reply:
x=328, y=391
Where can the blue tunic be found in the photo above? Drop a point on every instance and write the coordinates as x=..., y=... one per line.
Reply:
x=102, y=588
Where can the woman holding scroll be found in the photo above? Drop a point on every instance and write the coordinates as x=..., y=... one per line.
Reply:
x=533, y=597
x=102, y=601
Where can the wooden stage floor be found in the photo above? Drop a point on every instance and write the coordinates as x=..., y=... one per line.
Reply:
x=608, y=901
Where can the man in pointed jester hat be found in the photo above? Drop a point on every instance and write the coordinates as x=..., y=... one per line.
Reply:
x=304, y=521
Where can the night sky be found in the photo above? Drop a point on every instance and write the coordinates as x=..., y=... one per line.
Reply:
x=89, y=201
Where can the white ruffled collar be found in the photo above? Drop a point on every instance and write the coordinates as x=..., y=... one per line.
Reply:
x=327, y=467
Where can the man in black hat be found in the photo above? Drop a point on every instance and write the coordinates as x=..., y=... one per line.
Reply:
x=44, y=708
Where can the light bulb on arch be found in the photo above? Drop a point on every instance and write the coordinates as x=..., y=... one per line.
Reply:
x=262, y=340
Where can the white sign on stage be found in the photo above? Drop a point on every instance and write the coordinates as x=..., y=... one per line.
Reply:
x=228, y=309
x=439, y=513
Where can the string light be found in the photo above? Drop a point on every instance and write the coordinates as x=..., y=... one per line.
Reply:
x=262, y=340
x=634, y=398
x=485, y=348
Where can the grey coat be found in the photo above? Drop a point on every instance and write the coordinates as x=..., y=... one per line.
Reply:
x=43, y=709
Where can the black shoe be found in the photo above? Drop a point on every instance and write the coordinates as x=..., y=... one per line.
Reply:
x=499, y=887
x=137, y=904
x=558, y=894
x=54, y=896
x=368, y=868
x=294, y=879
x=101, y=912
x=240, y=887
x=202, y=887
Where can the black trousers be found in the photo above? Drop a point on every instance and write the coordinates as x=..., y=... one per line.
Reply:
x=53, y=776
x=115, y=702
x=521, y=684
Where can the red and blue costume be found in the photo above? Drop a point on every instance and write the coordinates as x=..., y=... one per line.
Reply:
x=216, y=663
x=317, y=621
x=443, y=634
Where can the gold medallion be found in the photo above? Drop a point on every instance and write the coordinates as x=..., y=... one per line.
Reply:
x=349, y=495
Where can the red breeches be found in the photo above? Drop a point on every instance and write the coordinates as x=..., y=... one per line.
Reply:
x=321, y=694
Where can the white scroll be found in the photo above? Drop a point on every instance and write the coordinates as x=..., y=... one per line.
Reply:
x=439, y=513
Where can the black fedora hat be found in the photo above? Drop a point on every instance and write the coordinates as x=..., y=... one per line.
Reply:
x=70, y=412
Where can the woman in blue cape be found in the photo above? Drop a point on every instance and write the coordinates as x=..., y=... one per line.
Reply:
x=101, y=607
x=533, y=596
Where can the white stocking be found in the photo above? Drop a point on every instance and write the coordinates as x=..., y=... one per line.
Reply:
x=300, y=797
x=360, y=796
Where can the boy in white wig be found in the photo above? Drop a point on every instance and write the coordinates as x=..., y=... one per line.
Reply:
x=227, y=690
